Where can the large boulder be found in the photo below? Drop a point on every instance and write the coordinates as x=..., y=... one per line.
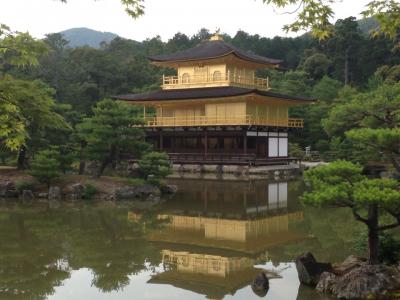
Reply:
x=348, y=264
x=143, y=192
x=362, y=282
x=260, y=284
x=169, y=189
x=74, y=191
x=7, y=189
x=27, y=195
x=43, y=195
x=309, y=270
x=54, y=193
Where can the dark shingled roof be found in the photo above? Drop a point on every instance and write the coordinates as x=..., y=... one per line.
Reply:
x=212, y=49
x=204, y=93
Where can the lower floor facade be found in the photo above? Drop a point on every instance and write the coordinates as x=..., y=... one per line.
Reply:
x=225, y=144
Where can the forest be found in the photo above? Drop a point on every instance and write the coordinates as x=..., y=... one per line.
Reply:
x=69, y=82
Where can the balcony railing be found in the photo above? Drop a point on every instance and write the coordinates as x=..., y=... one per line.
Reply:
x=219, y=121
x=209, y=80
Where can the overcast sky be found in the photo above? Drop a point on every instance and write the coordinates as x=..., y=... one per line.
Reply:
x=162, y=17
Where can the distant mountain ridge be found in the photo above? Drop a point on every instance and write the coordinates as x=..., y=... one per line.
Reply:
x=78, y=37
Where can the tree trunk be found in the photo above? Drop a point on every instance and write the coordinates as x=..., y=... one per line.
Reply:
x=82, y=166
x=346, y=66
x=21, y=158
x=373, y=237
x=103, y=166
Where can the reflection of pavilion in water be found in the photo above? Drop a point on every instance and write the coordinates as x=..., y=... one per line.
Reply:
x=217, y=232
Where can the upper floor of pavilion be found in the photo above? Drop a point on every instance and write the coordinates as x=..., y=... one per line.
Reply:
x=214, y=63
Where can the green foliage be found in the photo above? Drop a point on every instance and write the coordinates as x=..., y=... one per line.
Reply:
x=46, y=167
x=370, y=121
x=24, y=104
x=89, y=191
x=327, y=89
x=19, y=49
x=68, y=154
x=296, y=151
x=24, y=185
x=389, y=73
x=156, y=164
x=389, y=247
x=316, y=65
x=315, y=15
x=111, y=132
x=341, y=184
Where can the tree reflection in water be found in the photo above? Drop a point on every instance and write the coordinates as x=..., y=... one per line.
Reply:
x=204, y=240
x=41, y=246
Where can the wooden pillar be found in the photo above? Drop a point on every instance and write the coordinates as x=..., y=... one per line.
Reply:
x=205, y=197
x=161, y=140
x=205, y=142
x=245, y=143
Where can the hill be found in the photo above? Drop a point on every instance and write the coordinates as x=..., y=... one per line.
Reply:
x=87, y=37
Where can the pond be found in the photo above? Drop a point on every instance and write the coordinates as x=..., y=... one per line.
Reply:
x=206, y=242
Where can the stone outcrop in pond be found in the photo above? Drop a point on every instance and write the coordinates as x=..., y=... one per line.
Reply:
x=142, y=192
x=54, y=193
x=27, y=196
x=74, y=191
x=8, y=189
x=260, y=285
x=169, y=189
x=309, y=270
x=362, y=282
x=351, y=279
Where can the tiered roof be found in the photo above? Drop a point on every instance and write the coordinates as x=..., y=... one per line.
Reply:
x=213, y=49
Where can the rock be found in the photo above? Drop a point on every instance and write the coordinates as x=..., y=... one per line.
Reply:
x=169, y=189
x=27, y=195
x=7, y=189
x=365, y=281
x=74, y=191
x=309, y=270
x=54, y=193
x=326, y=282
x=43, y=195
x=348, y=264
x=137, y=192
x=260, y=285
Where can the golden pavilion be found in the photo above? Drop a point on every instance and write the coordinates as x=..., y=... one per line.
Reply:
x=215, y=109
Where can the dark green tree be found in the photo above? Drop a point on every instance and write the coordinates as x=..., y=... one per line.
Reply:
x=370, y=121
x=156, y=164
x=342, y=184
x=111, y=133
x=46, y=166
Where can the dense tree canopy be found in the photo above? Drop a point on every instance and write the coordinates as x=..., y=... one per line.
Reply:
x=111, y=133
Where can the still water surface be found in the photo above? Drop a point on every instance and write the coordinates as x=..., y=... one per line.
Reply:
x=206, y=242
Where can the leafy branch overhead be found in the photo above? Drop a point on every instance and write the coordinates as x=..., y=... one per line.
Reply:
x=316, y=15
x=134, y=8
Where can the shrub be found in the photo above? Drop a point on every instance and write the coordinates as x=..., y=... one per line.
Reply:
x=156, y=164
x=46, y=167
x=89, y=191
x=24, y=185
x=389, y=247
x=296, y=151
